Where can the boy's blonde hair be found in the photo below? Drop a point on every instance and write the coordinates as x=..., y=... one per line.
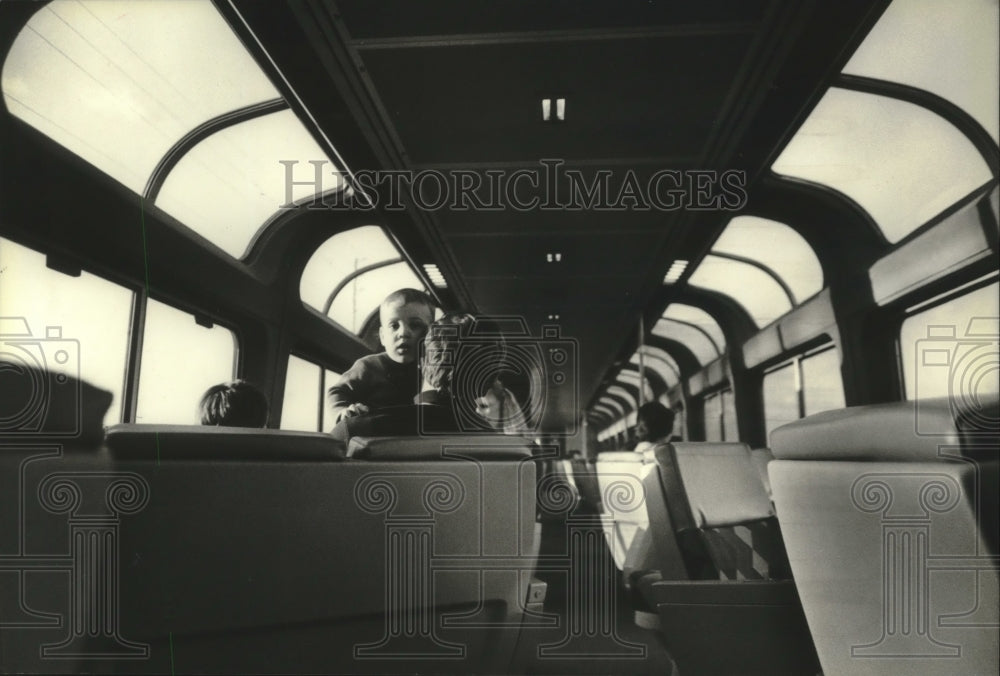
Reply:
x=407, y=297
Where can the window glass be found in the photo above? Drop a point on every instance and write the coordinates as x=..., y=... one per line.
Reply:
x=303, y=408
x=902, y=163
x=622, y=393
x=701, y=345
x=118, y=83
x=776, y=246
x=633, y=379
x=74, y=325
x=339, y=257
x=227, y=186
x=680, y=420
x=362, y=295
x=755, y=290
x=180, y=360
x=947, y=48
x=781, y=397
x=661, y=362
x=822, y=386
x=950, y=350
x=698, y=317
x=730, y=428
x=713, y=418
x=614, y=405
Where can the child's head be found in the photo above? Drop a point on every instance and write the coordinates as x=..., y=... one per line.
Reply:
x=404, y=317
x=235, y=404
x=653, y=421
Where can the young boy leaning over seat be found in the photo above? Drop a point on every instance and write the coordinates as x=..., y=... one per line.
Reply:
x=389, y=378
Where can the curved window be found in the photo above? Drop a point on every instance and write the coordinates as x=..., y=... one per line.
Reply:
x=902, y=163
x=754, y=289
x=632, y=378
x=118, y=83
x=779, y=248
x=700, y=344
x=340, y=256
x=121, y=84
x=351, y=273
x=613, y=404
x=228, y=185
x=362, y=295
x=661, y=362
x=622, y=393
x=698, y=318
x=963, y=69
x=604, y=409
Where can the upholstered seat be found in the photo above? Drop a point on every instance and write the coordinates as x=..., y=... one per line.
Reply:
x=889, y=513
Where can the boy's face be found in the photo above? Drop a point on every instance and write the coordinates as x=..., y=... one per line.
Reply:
x=404, y=325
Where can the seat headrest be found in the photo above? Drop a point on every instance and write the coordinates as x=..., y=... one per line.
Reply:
x=722, y=485
x=927, y=430
x=192, y=442
x=620, y=456
x=445, y=447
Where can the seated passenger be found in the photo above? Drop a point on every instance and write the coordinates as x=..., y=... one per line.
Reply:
x=501, y=410
x=654, y=423
x=389, y=378
x=235, y=404
x=441, y=406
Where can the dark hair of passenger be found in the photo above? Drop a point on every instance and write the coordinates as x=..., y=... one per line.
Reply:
x=408, y=296
x=658, y=419
x=235, y=404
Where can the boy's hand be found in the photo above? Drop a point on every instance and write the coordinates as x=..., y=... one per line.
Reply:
x=353, y=411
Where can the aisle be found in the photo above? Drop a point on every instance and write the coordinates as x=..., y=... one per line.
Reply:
x=591, y=630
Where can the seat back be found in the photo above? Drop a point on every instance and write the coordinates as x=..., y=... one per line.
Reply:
x=186, y=442
x=286, y=558
x=620, y=477
x=889, y=515
x=731, y=510
x=745, y=617
x=760, y=457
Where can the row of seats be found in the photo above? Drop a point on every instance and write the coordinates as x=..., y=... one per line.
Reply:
x=693, y=524
x=160, y=548
x=889, y=517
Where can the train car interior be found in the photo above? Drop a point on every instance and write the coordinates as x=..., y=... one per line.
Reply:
x=730, y=271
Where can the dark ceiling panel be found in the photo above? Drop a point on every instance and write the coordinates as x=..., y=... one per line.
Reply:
x=564, y=199
x=610, y=255
x=401, y=18
x=636, y=97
